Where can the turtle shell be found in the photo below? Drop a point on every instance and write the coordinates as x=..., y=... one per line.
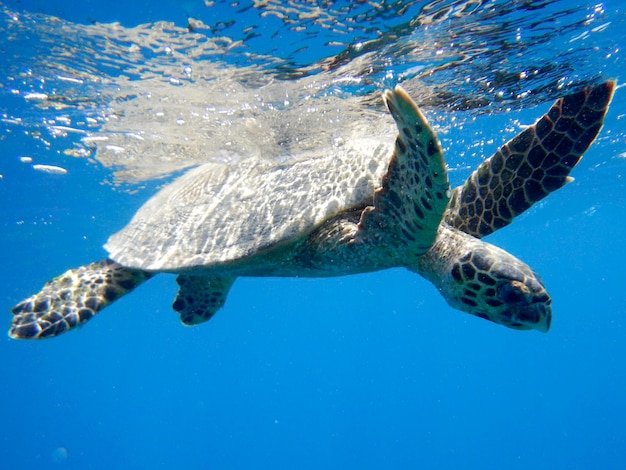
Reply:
x=223, y=213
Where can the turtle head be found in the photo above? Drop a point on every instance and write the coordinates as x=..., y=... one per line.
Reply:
x=490, y=283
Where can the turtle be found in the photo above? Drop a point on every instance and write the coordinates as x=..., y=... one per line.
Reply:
x=363, y=207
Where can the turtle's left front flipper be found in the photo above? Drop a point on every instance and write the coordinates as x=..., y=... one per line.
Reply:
x=532, y=165
x=73, y=298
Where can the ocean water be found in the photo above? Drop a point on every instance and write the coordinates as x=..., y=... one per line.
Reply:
x=367, y=371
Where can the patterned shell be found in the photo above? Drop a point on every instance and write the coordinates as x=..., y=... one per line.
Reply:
x=219, y=213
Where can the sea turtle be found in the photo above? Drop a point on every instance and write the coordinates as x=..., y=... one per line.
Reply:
x=363, y=208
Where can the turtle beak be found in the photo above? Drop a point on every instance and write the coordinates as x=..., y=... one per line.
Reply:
x=536, y=316
x=545, y=318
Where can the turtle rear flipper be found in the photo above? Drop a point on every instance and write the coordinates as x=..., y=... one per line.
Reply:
x=533, y=164
x=200, y=297
x=72, y=298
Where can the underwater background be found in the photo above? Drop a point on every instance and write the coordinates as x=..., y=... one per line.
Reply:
x=367, y=371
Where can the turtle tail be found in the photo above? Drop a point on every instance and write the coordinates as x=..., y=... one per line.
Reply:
x=72, y=298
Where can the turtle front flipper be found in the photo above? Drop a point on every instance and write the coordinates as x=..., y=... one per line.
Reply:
x=530, y=166
x=415, y=190
x=72, y=298
x=200, y=297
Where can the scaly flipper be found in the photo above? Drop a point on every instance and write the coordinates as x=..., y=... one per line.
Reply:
x=415, y=191
x=73, y=298
x=199, y=297
x=532, y=165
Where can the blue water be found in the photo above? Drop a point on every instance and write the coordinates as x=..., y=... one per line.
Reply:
x=368, y=371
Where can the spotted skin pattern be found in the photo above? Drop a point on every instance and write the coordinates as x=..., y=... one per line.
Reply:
x=480, y=278
x=480, y=272
x=399, y=223
x=532, y=165
x=486, y=281
x=415, y=190
x=199, y=297
x=72, y=298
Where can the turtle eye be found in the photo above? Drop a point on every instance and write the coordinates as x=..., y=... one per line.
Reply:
x=513, y=293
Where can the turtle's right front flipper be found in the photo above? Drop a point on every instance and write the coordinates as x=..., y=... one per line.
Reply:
x=533, y=164
x=73, y=298
x=414, y=194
